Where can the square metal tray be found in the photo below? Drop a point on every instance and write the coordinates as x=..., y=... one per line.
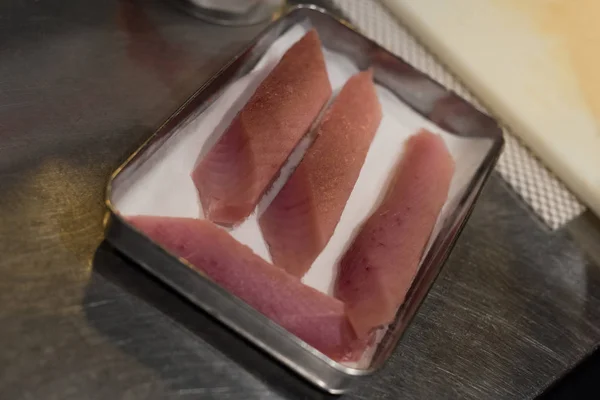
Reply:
x=415, y=89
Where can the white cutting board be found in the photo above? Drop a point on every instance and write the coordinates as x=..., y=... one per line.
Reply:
x=536, y=66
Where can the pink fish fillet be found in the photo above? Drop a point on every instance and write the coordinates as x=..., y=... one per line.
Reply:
x=302, y=218
x=314, y=317
x=236, y=172
x=377, y=270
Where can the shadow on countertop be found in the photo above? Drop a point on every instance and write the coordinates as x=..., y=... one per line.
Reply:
x=582, y=383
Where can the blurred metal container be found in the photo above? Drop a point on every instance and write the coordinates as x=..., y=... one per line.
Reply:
x=234, y=12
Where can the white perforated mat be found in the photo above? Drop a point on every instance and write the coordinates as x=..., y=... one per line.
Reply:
x=534, y=183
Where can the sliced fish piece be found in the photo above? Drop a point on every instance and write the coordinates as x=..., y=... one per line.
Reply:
x=377, y=270
x=314, y=317
x=237, y=171
x=301, y=219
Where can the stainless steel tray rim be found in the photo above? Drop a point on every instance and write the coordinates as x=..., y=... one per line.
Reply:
x=239, y=303
x=182, y=114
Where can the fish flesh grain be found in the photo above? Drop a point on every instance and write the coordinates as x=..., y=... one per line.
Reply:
x=378, y=268
x=314, y=317
x=301, y=219
x=246, y=159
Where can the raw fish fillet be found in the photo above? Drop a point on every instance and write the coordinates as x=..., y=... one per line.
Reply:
x=377, y=270
x=236, y=172
x=299, y=222
x=314, y=317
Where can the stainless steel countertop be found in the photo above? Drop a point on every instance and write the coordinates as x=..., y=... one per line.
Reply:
x=82, y=84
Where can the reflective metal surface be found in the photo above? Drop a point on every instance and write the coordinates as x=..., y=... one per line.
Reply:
x=416, y=90
x=82, y=84
x=232, y=12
